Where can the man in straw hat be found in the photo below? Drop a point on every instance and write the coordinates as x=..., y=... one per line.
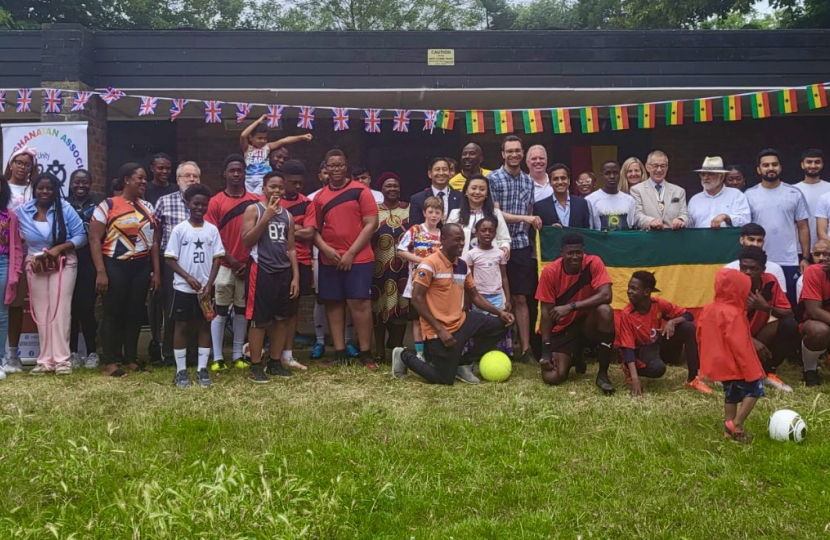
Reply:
x=717, y=206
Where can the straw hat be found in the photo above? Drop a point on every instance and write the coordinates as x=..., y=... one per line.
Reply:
x=712, y=164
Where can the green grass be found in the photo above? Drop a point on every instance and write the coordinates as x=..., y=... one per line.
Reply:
x=347, y=453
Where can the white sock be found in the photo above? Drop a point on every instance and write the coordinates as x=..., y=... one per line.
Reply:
x=181, y=359
x=240, y=330
x=204, y=354
x=287, y=355
x=810, y=358
x=217, y=335
x=320, y=323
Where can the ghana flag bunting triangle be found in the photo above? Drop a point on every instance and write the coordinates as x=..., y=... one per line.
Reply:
x=619, y=117
x=787, y=101
x=703, y=110
x=731, y=108
x=561, y=120
x=685, y=262
x=589, y=118
x=503, y=121
x=674, y=113
x=760, y=105
x=816, y=96
x=475, y=121
x=446, y=119
x=532, y=120
x=647, y=115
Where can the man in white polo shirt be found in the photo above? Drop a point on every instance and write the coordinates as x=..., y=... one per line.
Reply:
x=717, y=205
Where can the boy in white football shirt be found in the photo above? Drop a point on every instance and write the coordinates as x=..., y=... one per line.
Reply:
x=193, y=253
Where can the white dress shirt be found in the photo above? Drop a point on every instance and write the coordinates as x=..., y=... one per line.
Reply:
x=703, y=208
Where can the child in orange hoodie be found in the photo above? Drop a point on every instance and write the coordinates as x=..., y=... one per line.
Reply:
x=727, y=353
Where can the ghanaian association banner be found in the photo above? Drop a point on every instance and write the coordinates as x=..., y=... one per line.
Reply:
x=684, y=262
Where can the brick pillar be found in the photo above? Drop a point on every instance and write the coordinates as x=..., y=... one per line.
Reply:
x=67, y=63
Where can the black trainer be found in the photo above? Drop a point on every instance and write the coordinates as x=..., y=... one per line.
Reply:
x=811, y=378
x=257, y=374
x=276, y=369
x=605, y=385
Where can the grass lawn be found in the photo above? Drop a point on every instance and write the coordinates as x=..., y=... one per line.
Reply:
x=347, y=453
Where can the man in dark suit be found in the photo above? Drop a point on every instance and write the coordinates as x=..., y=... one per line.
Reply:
x=439, y=175
x=563, y=209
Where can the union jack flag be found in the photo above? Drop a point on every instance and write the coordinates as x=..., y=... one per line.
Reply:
x=306, y=118
x=372, y=120
x=2, y=101
x=430, y=118
x=112, y=95
x=24, y=100
x=148, y=106
x=273, y=116
x=401, y=121
x=52, y=100
x=340, y=116
x=242, y=111
x=80, y=101
x=177, y=108
x=213, y=112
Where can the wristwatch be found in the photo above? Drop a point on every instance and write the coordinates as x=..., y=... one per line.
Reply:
x=573, y=306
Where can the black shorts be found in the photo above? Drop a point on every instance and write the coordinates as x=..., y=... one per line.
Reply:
x=185, y=307
x=306, y=280
x=736, y=391
x=522, y=272
x=269, y=296
x=571, y=339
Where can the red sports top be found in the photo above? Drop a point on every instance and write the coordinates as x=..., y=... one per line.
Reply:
x=771, y=291
x=815, y=286
x=226, y=213
x=726, y=349
x=557, y=287
x=298, y=208
x=635, y=330
x=338, y=214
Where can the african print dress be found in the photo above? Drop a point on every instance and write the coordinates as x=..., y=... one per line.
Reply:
x=391, y=272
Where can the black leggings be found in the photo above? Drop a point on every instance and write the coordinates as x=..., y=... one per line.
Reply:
x=442, y=363
x=124, y=308
x=684, y=338
x=83, y=305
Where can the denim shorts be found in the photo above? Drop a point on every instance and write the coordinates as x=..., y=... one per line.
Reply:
x=736, y=391
x=496, y=299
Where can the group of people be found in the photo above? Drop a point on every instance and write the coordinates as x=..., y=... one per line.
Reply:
x=457, y=262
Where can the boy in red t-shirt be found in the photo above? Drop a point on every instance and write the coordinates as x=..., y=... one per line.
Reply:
x=773, y=340
x=646, y=324
x=814, y=313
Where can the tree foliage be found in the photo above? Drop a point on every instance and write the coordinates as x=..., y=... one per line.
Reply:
x=804, y=13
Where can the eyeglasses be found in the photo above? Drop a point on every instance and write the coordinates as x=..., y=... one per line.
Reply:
x=658, y=167
x=24, y=164
x=336, y=166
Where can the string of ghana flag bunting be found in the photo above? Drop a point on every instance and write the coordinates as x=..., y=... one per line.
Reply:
x=475, y=121
x=674, y=113
x=647, y=115
x=703, y=110
x=787, y=101
x=816, y=96
x=503, y=121
x=561, y=120
x=731, y=108
x=589, y=118
x=619, y=117
x=760, y=105
x=532, y=120
x=446, y=119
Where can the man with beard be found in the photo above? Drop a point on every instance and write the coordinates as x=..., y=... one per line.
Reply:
x=816, y=191
x=278, y=157
x=471, y=158
x=611, y=209
x=717, y=206
x=782, y=211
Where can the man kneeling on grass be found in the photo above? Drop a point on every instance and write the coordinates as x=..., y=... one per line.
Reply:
x=645, y=325
x=439, y=284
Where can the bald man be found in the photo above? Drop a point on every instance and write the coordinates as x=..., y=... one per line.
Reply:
x=471, y=158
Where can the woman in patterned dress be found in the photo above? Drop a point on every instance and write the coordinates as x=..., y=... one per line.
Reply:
x=389, y=309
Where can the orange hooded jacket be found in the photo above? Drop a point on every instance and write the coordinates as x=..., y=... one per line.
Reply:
x=723, y=336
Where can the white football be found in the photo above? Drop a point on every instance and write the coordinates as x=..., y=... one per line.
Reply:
x=787, y=425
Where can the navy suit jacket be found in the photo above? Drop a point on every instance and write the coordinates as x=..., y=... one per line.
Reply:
x=416, y=204
x=580, y=212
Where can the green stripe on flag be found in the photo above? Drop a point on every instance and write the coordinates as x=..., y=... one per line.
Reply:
x=649, y=249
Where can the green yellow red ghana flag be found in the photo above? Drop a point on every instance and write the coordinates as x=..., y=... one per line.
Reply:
x=731, y=108
x=475, y=121
x=589, y=118
x=532, y=120
x=503, y=121
x=816, y=96
x=446, y=119
x=703, y=110
x=619, y=117
x=787, y=101
x=561, y=120
x=646, y=115
x=760, y=105
x=674, y=113
x=684, y=261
